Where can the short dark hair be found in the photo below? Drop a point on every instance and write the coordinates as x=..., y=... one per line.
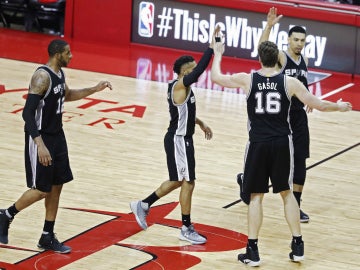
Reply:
x=181, y=61
x=297, y=29
x=268, y=53
x=56, y=46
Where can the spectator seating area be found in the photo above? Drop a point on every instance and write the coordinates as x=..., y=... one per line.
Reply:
x=45, y=16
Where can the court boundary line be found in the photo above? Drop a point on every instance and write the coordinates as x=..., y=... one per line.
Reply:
x=337, y=90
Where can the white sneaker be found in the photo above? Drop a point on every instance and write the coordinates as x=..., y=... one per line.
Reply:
x=189, y=234
x=140, y=210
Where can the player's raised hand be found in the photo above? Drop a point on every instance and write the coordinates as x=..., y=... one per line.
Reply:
x=216, y=32
x=218, y=39
x=272, y=17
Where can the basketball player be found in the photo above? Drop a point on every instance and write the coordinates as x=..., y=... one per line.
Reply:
x=293, y=63
x=269, y=152
x=179, y=146
x=46, y=155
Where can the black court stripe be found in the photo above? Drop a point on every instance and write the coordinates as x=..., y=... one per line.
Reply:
x=328, y=158
x=307, y=168
x=231, y=204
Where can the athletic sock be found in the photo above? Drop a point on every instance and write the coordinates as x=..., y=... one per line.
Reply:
x=151, y=199
x=48, y=227
x=297, y=239
x=186, y=220
x=253, y=244
x=11, y=211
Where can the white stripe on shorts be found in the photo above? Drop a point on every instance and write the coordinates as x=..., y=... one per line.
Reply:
x=181, y=158
x=291, y=173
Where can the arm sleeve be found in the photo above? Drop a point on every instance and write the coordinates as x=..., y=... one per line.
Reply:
x=199, y=69
x=28, y=114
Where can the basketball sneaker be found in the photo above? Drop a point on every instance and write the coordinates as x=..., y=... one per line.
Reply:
x=297, y=252
x=189, y=234
x=244, y=196
x=251, y=257
x=50, y=242
x=304, y=218
x=140, y=210
x=4, y=226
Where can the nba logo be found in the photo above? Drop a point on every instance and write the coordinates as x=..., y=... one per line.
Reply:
x=146, y=19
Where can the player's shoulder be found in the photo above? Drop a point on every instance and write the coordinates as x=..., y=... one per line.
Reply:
x=41, y=73
x=292, y=83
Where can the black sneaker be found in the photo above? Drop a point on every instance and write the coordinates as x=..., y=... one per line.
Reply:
x=297, y=252
x=251, y=257
x=4, y=226
x=304, y=218
x=244, y=196
x=50, y=242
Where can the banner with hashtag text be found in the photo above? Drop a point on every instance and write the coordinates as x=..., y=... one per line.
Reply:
x=189, y=27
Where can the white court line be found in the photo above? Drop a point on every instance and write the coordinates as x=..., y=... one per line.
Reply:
x=342, y=88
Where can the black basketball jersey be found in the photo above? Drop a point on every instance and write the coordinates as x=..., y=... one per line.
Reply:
x=182, y=116
x=297, y=70
x=49, y=112
x=268, y=107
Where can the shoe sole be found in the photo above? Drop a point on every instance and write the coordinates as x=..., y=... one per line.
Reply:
x=297, y=258
x=183, y=238
x=304, y=220
x=133, y=207
x=56, y=251
x=251, y=263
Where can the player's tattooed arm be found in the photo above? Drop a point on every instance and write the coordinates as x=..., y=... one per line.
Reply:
x=40, y=83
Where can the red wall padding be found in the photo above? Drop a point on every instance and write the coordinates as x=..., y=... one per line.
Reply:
x=99, y=21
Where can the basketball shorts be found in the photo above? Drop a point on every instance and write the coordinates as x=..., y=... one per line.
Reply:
x=269, y=160
x=44, y=177
x=180, y=157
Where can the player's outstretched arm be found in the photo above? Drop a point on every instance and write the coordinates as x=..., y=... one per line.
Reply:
x=241, y=79
x=298, y=89
x=72, y=94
